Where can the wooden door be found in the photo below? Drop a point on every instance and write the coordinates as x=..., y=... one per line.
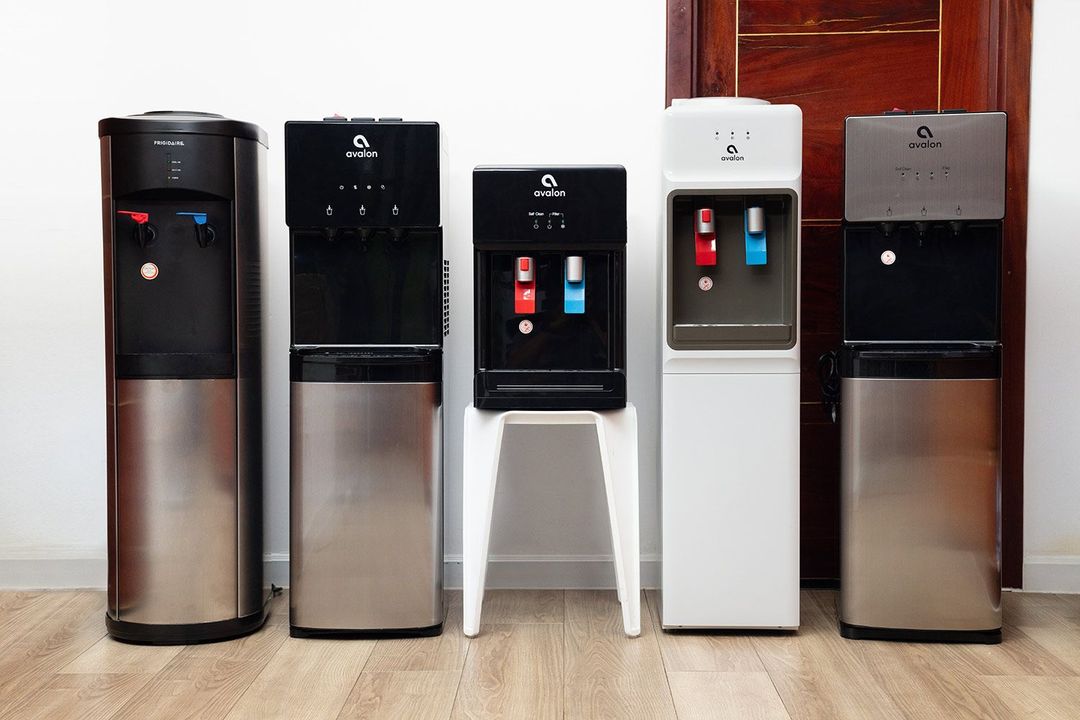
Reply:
x=836, y=58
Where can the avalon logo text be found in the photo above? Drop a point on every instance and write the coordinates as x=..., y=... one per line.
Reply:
x=363, y=149
x=927, y=138
x=732, y=155
x=548, y=181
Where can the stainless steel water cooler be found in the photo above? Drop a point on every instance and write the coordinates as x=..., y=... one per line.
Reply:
x=183, y=204
x=920, y=373
x=368, y=318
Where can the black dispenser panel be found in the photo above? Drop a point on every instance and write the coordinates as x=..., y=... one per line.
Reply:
x=361, y=174
x=173, y=279
x=925, y=282
x=550, y=262
x=367, y=288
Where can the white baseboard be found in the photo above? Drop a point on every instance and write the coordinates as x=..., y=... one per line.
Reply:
x=53, y=569
x=64, y=569
x=571, y=572
x=1052, y=573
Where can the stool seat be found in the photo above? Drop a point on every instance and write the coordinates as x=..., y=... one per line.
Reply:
x=616, y=435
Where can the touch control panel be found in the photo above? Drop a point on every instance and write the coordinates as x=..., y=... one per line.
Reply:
x=361, y=174
x=925, y=166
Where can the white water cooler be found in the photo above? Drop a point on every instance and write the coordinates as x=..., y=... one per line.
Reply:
x=730, y=362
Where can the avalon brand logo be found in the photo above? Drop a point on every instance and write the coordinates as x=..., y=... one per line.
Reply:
x=363, y=150
x=548, y=181
x=732, y=155
x=927, y=137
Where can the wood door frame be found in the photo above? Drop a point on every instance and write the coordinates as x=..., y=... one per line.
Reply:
x=1010, y=90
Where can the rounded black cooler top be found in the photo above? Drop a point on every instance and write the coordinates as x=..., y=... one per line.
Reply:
x=170, y=122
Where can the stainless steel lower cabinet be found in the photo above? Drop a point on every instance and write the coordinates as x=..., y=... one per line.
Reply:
x=920, y=509
x=366, y=508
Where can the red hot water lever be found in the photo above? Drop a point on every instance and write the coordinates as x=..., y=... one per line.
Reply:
x=524, y=286
x=704, y=237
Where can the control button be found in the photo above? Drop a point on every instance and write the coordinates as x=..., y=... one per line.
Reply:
x=525, y=327
x=706, y=215
x=363, y=210
x=390, y=119
x=149, y=271
x=335, y=118
x=888, y=257
x=363, y=119
x=396, y=211
x=329, y=211
x=705, y=283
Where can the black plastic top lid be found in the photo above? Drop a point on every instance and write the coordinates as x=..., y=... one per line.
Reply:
x=181, y=121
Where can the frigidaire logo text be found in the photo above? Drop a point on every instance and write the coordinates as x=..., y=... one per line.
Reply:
x=169, y=143
x=732, y=155
x=548, y=181
x=928, y=141
x=364, y=150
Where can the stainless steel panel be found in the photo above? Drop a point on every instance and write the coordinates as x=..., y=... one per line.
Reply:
x=250, y=162
x=920, y=509
x=366, y=505
x=925, y=167
x=176, y=500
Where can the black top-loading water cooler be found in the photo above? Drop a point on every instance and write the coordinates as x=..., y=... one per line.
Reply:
x=920, y=373
x=183, y=206
x=368, y=292
x=550, y=280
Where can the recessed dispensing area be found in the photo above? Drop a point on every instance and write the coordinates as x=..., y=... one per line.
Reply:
x=731, y=277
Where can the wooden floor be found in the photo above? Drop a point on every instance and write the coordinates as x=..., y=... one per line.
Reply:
x=541, y=654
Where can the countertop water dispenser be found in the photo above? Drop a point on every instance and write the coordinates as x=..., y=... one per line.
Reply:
x=368, y=287
x=183, y=212
x=920, y=369
x=732, y=179
x=550, y=279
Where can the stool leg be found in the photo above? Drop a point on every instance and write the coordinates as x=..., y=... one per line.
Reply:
x=613, y=516
x=483, y=444
x=621, y=430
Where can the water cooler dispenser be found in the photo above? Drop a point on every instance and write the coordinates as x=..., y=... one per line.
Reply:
x=362, y=201
x=732, y=178
x=183, y=216
x=550, y=279
x=920, y=367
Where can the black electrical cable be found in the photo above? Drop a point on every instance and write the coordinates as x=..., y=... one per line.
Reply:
x=829, y=378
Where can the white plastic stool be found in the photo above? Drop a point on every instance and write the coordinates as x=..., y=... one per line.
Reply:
x=616, y=434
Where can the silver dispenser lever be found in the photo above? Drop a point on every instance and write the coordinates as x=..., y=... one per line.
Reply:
x=755, y=219
x=575, y=268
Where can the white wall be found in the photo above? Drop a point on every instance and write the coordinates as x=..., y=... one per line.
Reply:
x=1052, y=393
x=562, y=81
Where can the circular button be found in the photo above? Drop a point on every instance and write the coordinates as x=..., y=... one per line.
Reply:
x=149, y=271
x=525, y=326
x=888, y=257
x=705, y=283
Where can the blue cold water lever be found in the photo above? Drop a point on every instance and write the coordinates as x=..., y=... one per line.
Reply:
x=754, y=225
x=574, y=286
x=204, y=232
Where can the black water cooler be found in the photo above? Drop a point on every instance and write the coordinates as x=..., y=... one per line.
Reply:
x=920, y=375
x=550, y=280
x=368, y=289
x=183, y=205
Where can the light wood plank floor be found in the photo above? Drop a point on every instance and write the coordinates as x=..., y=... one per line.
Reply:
x=541, y=654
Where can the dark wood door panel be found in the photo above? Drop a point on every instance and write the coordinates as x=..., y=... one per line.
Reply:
x=821, y=279
x=831, y=77
x=965, y=34
x=716, y=38
x=800, y=16
x=819, y=507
